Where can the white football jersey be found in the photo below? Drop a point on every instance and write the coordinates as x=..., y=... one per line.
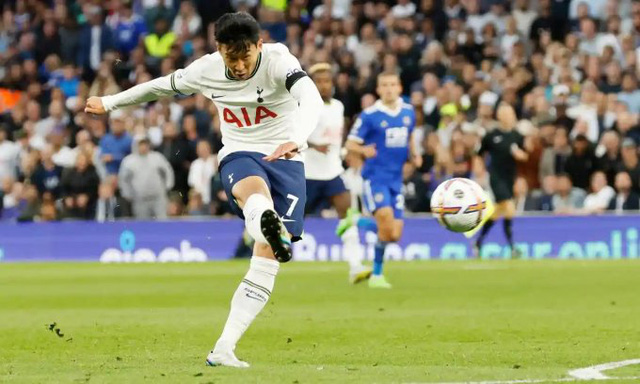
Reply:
x=330, y=129
x=257, y=114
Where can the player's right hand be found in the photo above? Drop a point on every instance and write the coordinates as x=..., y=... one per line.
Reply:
x=369, y=151
x=94, y=105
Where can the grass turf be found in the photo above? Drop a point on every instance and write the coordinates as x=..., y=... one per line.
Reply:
x=443, y=321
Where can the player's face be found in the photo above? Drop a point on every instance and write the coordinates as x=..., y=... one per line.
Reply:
x=324, y=82
x=389, y=88
x=241, y=63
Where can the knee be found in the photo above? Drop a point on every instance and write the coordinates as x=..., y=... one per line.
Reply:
x=248, y=187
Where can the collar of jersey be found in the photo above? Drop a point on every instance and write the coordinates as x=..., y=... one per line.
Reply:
x=228, y=75
x=381, y=107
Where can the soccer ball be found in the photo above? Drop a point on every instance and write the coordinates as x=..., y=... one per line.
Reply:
x=459, y=204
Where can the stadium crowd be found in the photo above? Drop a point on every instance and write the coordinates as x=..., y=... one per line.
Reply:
x=568, y=67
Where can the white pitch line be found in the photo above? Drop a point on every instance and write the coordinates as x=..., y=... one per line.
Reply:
x=593, y=372
x=529, y=381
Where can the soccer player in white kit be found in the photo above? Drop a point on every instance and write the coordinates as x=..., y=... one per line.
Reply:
x=268, y=108
x=323, y=169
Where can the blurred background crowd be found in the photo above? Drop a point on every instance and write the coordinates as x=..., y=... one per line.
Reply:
x=568, y=67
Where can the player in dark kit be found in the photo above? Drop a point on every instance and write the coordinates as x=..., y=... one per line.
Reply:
x=504, y=146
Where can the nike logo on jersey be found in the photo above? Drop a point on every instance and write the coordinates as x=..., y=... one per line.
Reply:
x=230, y=178
x=214, y=96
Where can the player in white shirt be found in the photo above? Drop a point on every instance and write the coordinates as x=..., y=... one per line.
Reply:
x=268, y=108
x=323, y=169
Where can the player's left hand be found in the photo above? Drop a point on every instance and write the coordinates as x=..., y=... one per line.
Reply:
x=417, y=161
x=286, y=150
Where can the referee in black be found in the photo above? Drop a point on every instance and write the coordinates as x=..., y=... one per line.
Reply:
x=504, y=146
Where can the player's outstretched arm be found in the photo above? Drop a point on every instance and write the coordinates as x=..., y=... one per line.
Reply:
x=182, y=81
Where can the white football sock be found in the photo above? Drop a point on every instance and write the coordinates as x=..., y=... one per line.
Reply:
x=253, y=209
x=351, y=248
x=250, y=297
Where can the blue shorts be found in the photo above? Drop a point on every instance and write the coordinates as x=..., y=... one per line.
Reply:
x=379, y=195
x=285, y=179
x=320, y=191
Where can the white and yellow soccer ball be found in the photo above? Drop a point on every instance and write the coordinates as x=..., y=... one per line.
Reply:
x=460, y=204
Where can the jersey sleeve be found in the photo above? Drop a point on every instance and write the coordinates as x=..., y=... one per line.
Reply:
x=485, y=145
x=360, y=129
x=286, y=69
x=181, y=82
x=187, y=81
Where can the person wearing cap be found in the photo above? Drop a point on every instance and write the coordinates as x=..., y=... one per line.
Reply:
x=115, y=145
x=145, y=178
x=505, y=146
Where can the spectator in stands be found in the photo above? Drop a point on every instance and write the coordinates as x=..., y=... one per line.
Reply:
x=630, y=94
x=9, y=152
x=158, y=44
x=110, y=207
x=630, y=163
x=104, y=84
x=95, y=40
x=187, y=19
x=175, y=207
x=601, y=194
x=608, y=155
x=549, y=189
x=524, y=201
x=567, y=199
x=114, y=146
x=47, y=176
x=128, y=28
x=145, y=178
x=80, y=188
x=554, y=158
x=202, y=171
x=625, y=199
x=196, y=207
x=180, y=155
x=580, y=163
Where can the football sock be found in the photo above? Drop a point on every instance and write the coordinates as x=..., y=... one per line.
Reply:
x=249, y=299
x=508, y=231
x=485, y=229
x=351, y=249
x=253, y=209
x=378, y=258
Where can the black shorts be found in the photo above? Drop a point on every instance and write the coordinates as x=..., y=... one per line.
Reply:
x=502, y=188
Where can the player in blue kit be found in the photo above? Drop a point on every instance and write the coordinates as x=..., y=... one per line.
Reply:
x=383, y=136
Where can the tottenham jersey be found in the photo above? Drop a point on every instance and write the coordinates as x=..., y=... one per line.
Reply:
x=390, y=131
x=257, y=114
x=326, y=166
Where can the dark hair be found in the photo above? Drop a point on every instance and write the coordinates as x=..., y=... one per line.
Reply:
x=237, y=31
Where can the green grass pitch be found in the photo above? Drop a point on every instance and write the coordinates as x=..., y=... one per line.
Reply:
x=443, y=321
